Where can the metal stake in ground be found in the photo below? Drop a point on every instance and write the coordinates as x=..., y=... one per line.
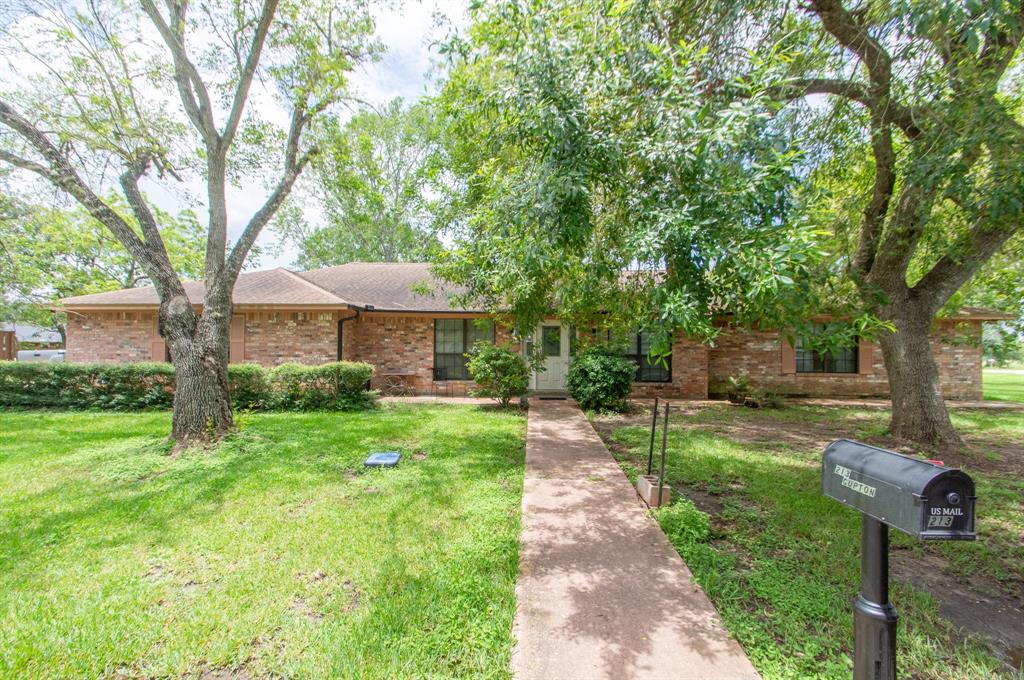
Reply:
x=654, y=426
x=664, y=442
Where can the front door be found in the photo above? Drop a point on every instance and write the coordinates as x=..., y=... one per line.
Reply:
x=553, y=340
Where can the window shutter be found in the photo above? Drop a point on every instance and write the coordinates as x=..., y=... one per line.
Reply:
x=865, y=357
x=157, y=346
x=236, y=353
x=788, y=356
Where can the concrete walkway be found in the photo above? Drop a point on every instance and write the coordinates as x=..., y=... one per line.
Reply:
x=601, y=593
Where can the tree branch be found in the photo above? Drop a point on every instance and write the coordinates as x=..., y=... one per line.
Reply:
x=951, y=272
x=798, y=88
x=64, y=176
x=248, y=71
x=853, y=35
x=165, y=277
x=186, y=76
x=293, y=167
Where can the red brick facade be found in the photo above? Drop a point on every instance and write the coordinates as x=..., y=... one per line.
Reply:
x=760, y=356
x=114, y=337
x=689, y=374
x=404, y=344
x=273, y=338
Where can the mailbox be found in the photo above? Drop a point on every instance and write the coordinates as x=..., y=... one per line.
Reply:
x=925, y=500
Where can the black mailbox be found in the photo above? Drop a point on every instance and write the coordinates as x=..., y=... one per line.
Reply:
x=925, y=500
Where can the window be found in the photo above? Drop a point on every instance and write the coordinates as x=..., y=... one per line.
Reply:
x=638, y=348
x=452, y=339
x=812, y=361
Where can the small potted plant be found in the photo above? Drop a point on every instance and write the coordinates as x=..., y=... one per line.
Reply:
x=737, y=389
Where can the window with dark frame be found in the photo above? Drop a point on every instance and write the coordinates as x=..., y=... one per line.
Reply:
x=452, y=339
x=812, y=361
x=648, y=369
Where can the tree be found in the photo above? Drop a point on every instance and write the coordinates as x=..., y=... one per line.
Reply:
x=583, y=145
x=52, y=253
x=107, y=87
x=914, y=126
x=374, y=172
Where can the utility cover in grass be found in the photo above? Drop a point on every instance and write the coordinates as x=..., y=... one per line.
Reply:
x=383, y=459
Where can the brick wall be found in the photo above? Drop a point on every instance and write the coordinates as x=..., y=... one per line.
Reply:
x=758, y=354
x=109, y=337
x=403, y=344
x=689, y=374
x=273, y=338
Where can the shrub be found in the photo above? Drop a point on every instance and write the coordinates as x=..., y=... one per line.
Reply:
x=600, y=380
x=337, y=386
x=250, y=388
x=80, y=386
x=765, y=398
x=500, y=373
x=124, y=387
x=737, y=388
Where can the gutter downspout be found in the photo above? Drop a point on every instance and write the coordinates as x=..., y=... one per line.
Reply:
x=341, y=323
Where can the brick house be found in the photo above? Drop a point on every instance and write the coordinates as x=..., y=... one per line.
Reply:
x=400, y=319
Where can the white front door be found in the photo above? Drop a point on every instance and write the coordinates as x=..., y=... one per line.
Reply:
x=553, y=341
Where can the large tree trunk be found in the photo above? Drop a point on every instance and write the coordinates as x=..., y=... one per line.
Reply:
x=918, y=411
x=199, y=352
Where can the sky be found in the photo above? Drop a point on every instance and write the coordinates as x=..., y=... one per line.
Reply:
x=407, y=31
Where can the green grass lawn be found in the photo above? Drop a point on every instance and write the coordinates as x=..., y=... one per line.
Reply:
x=1003, y=384
x=782, y=561
x=275, y=554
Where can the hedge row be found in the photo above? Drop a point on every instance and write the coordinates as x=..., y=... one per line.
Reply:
x=335, y=386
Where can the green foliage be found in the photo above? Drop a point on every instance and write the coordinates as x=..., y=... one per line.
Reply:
x=50, y=253
x=374, y=173
x=584, y=146
x=250, y=387
x=337, y=386
x=86, y=386
x=500, y=372
x=782, y=562
x=737, y=388
x=600, y=380
x=765, y=398
x=684, y=524
x=125, y=387
x=180, y=563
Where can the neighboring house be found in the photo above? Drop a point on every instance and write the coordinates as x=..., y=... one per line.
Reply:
x=26, y=336
x=398, y=318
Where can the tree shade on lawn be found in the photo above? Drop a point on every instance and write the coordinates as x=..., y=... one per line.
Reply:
x=274, y=553
x=781, y=562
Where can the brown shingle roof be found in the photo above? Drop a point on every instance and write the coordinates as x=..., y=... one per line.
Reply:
x=392, y=286
x=384, y=286
x=270, y=287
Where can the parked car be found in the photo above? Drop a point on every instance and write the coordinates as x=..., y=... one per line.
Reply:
x=50, y=355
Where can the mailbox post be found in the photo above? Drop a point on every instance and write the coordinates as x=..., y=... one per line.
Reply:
x=921, y=498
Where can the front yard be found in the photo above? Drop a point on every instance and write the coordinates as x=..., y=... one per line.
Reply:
x=782, y=562
x=1004, y=384
x=276, y=554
